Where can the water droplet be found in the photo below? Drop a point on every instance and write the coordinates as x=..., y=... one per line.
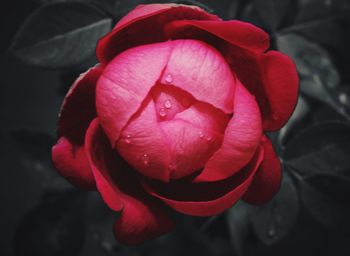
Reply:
x=209, y=138
x=172, y=167
x=201, y=135
x=168, y=79
x=162, y=112
x=145, y=159
x=271, y=232
x=343, y=98
x=128, y=139
x=167, y=104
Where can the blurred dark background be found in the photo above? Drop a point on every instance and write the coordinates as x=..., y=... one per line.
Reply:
x=42, y=214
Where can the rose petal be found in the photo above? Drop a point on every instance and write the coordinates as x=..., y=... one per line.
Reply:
x=267, y=179
x=78, y=108
x=71, y=162
x=144, y=25
x=241, y=139
x=144, y=145
x=193, y=136
x=280, y=83
x=104, y=163
x=142, y=218
x=205, y=199
x=237, y=33
x=126, y=82
x=199, y=69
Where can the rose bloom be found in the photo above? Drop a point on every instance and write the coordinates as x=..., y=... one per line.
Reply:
x=173, y=117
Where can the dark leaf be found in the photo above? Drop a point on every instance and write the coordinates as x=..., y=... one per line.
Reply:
x=301, y=111
x=326, y=198
x=275, y=220
x=54, y=227
x=34, y=143
x=274, y=12
x=323, y=148
x=318, y=75
x=239, y=226
x=60, y=35
x=36, y=149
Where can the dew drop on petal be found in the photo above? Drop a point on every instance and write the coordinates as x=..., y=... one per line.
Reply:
x=172, y=167
x=168, y=79
x=167, y=104
x=209, y=138
x=162, y=112
x=201, y=135
x=128, y=139
x=145, y=159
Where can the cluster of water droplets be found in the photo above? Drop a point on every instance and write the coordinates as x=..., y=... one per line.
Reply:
x=167, y=105
x=203, y=136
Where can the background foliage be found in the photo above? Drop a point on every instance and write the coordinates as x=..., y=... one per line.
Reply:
x=47, y=43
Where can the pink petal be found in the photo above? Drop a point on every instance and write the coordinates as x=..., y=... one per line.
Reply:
x=142, y=218
x=234, y=32
x=205, y=199
x=280, y=82
x=199, y=69
x=126, y=82
x=267, y=180
x=144, y=25
x=144, y=145
x=78, y=108
x=193, y=136
x=241, y=139
x=71, y=162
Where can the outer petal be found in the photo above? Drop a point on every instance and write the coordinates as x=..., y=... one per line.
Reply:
x=68, y=154
x=280, y=81
x=78, y=108
x=241, y=34
x=198, y=68
x=71, y=162
x=267, y=179
x=241, y=139
x=142, y=217
x=205, y=199
x=144, y=25
x=126, y=82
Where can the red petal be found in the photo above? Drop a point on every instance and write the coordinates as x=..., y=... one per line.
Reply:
x=144, y=25
x=267, y=180
x=71, y=162
x=142, y=217
x=104, y=163
x=241, y=139
x=78, y=108
x=205, y=199
x=234, y=32
x=280, y=82
x=197, y=68
x=126, y=82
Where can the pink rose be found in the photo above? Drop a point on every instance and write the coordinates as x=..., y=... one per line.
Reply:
x=174, y=116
